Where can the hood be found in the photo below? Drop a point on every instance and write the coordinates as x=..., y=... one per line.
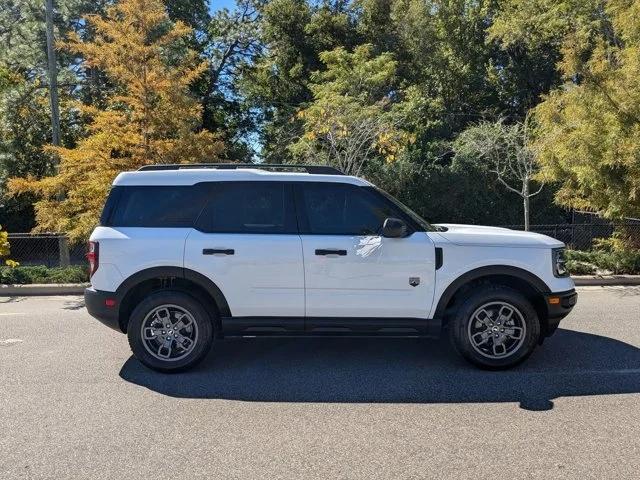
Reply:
x=495, y=237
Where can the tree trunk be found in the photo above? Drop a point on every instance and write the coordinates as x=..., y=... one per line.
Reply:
x=525, y=201
x=53, y=76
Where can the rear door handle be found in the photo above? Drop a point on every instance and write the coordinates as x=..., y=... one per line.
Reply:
x=218, y=251
x=329, y=251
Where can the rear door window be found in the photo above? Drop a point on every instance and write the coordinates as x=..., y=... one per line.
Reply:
x=249, y=207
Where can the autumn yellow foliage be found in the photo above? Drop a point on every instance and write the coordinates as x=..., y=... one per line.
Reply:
x=5, y=249
x=148, y=118
x=4, y=243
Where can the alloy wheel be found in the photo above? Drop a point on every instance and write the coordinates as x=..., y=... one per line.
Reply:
x=497, y=330
x=169, y=332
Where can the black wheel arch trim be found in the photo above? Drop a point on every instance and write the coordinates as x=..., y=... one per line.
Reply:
x=533, y=280
x=178, y=272
x=211, y=288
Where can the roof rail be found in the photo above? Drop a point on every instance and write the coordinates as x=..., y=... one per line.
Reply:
x=313, y=169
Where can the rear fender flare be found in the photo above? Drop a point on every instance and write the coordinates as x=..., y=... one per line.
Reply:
x=178, y=272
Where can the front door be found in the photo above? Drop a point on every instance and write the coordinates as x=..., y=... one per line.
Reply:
x=350, y=269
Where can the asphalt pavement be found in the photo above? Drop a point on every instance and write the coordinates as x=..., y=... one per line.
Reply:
x=75, y=404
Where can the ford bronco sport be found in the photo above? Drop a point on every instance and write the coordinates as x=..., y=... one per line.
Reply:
x=186, y=254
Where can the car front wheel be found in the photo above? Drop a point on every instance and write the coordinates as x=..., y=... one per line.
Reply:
x=170, y=331
x=495, y=327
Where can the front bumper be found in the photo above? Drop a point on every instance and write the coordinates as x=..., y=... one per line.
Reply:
x=97, y=306
x=559, y=305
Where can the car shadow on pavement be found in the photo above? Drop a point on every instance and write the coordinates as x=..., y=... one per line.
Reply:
x=396, y=370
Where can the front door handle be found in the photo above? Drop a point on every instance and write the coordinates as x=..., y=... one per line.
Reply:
x=218, y=251
x=329, y=251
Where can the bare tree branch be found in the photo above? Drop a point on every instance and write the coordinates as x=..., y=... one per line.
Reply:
x=506, y=147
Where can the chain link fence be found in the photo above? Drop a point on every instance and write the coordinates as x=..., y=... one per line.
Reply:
x=50, y=249
x=580, y=236
x=55, y=250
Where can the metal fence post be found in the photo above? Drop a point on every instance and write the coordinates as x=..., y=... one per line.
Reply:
x=63, y=249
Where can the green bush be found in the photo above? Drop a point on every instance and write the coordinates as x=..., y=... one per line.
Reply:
x=43, y=274
x=616, y=261
x=577, y=267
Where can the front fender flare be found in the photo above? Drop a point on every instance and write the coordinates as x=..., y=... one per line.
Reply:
x=477, y=273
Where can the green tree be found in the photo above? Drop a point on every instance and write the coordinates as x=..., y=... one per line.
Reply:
x=353, y=118
x=588, y=131
x=233, y=46
x=547, y=23
x=293, y=34
x=459, y=75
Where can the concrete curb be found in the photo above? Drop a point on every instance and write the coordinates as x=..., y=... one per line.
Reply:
x=604, y=280
x=42, y=289
x=78, y=288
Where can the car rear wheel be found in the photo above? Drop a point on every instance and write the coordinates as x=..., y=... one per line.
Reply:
x=170, y=331
x=495, y=327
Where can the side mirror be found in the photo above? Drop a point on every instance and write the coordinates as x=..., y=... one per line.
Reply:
x=394, y=228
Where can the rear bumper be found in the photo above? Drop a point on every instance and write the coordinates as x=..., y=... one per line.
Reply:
x=95, y=301
x=559, y=305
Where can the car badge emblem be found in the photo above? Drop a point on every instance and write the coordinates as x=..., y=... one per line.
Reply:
x=414, y=281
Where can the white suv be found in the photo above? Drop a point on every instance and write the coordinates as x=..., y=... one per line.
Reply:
x=186, y=254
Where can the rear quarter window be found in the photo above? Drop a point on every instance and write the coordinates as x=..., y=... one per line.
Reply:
x=154, y=206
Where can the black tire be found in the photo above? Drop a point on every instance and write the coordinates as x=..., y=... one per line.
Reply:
x=462, y=327
x=184, y=358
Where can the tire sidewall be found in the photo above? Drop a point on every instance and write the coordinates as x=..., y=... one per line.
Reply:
x=202, y=318
x=462, y=318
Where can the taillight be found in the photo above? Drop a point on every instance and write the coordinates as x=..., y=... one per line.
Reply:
x=93, y=257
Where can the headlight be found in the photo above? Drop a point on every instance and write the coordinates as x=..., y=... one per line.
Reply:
x=559, y=262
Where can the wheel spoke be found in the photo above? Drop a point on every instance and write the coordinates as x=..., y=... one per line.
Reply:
x=150, y=333
x=485, y=320
x=182, y=342
x=484, y=338
x=164, y=316
x=184, y=321
x=499, y=349
x=505, y=317
x=515, y=333
x=164, y=350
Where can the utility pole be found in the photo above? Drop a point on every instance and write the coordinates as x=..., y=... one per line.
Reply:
x=63, y=241
x=53, y=75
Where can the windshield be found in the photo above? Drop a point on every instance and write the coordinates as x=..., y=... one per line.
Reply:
x=414, y=216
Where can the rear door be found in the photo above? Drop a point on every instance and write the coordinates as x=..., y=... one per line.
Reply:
x=350, y=269
x=246, y=241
